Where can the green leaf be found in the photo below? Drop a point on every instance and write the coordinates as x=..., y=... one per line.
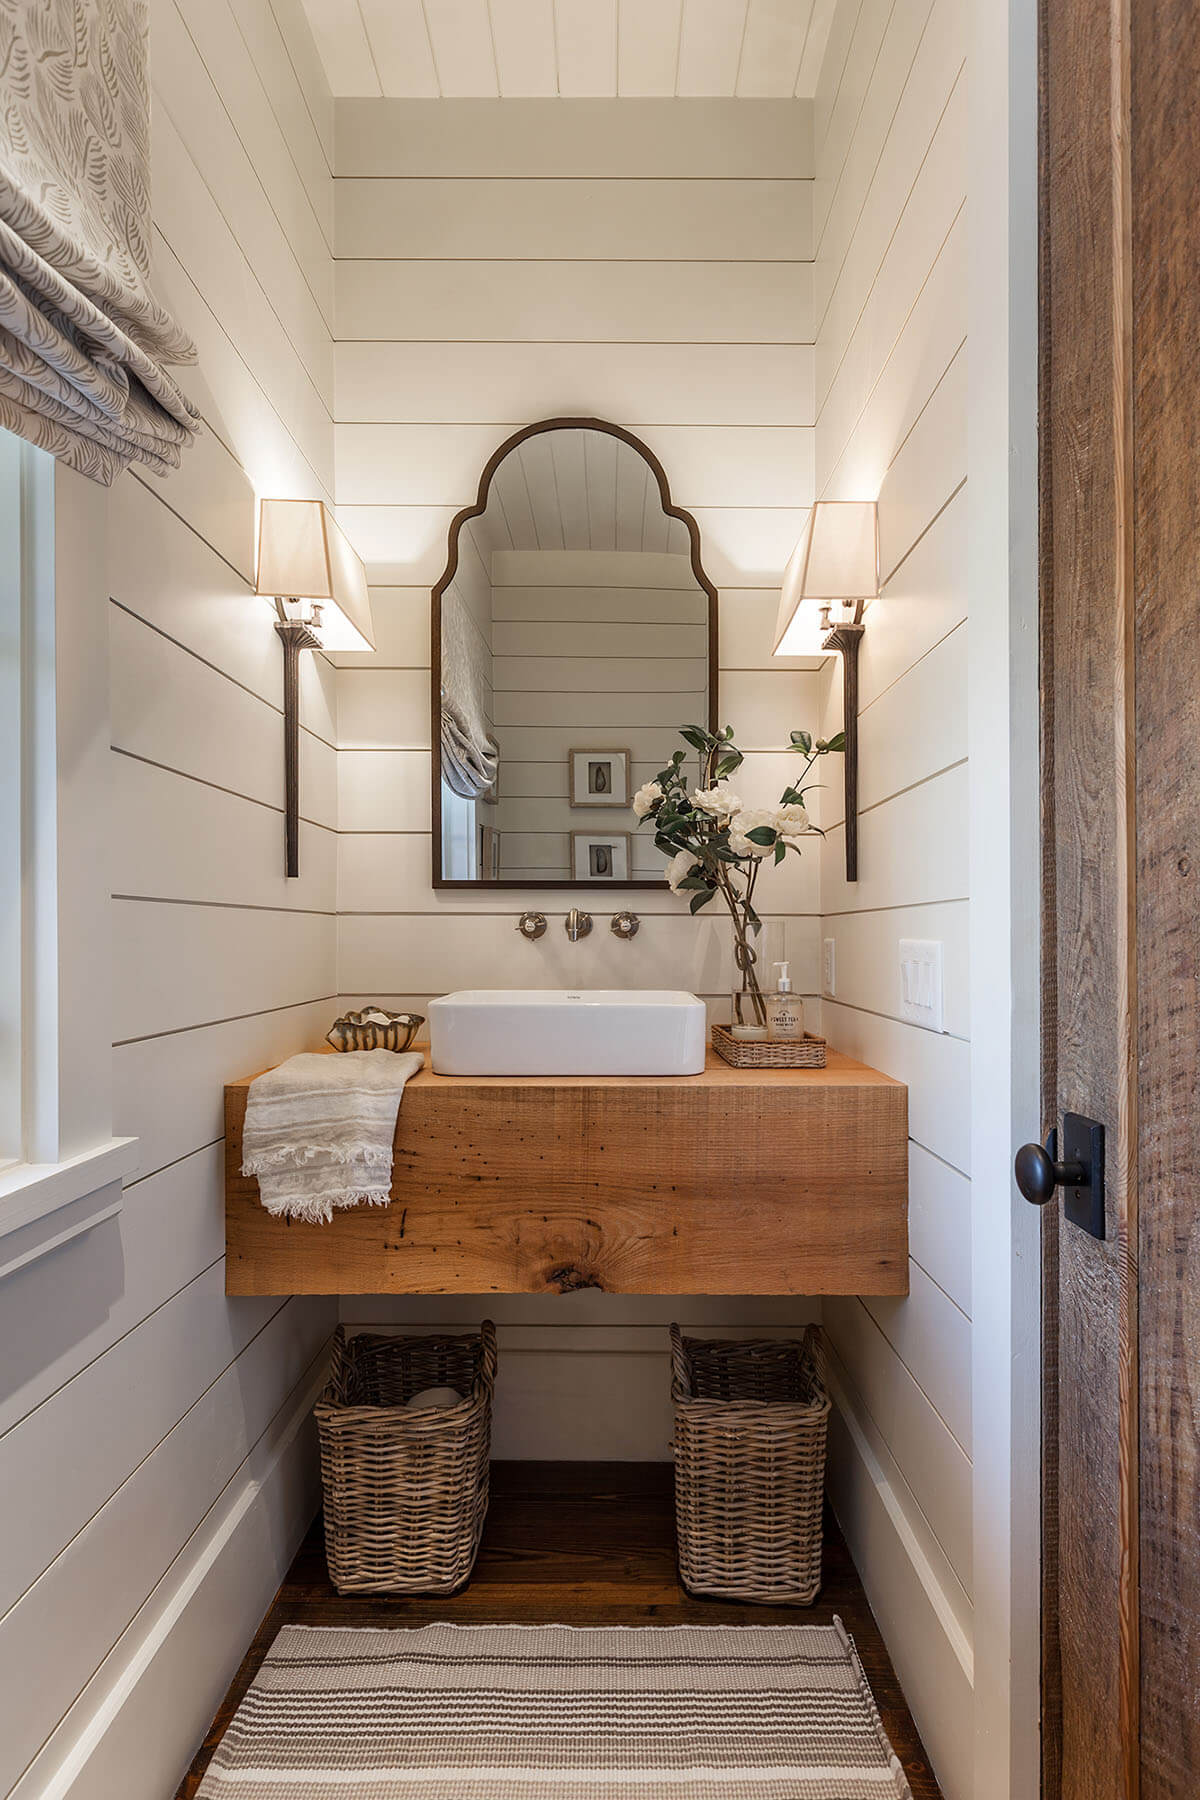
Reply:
x=699, y=900
x=835, y=743
x=780, y=852
x=802, y=741
x=762, y=834
x=695, y=736
x=679, y=756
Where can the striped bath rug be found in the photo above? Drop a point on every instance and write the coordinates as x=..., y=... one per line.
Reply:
x=555, y=1712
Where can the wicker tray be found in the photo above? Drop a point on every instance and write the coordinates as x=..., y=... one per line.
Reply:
x=750, y=1425
x=406, y=1493
x=762, y=1053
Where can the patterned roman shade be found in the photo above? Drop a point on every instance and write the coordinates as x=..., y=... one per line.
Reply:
x=83, y=342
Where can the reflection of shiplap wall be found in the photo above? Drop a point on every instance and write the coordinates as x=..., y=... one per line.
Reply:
x=593, y=650
x=890, y=280
x=644, y=262
x=156, y=1461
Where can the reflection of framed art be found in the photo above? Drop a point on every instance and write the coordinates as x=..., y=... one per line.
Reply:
x=599, y=777
x=600, y=855
x=489, y=853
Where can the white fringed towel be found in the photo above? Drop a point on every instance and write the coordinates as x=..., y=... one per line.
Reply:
x=319, y=1131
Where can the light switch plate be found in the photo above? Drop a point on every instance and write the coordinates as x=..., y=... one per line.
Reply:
x=829, y=967
x=921, y=982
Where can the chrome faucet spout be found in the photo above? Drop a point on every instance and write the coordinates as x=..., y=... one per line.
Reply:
x=577, y=924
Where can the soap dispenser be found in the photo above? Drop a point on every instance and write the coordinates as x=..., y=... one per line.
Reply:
x=785, y=1013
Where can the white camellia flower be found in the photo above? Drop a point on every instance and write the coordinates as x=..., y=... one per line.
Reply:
x=749, y=819
x=792, y=822
x=680, y=867
x=646, y=799
x=717, y=801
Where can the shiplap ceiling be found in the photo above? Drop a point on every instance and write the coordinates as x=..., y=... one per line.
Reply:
x=576, y=490
x=530, y=49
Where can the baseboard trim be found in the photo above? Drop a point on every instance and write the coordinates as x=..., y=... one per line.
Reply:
x=930, y=1649
x=245, y=1544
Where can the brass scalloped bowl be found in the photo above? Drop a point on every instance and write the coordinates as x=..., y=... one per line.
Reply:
x=374, y=1028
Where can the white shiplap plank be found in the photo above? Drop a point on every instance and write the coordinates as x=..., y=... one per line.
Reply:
x=557, y=302
x=912, y=848
x=647, y=220
x=438, y=465
x=932, y=1337
x=62, y=1311
x=49, y=1644
x=461, y=34
x=939, y=1223
x=165, y=826
x=178, y=966
x=113, y=1414
x=773, y=47
x=586, y=37
x=710, y=47
x=935, y=1467
x=925, y=600
x=523, y=35
x=383, y=709
x=936, y=1069
x=927, y=471
x=648, y=46
x=345, y=53
x=868, y=957
x=401, y=52
x=917, y=726
x=382, y=790
x=267, y=32
x=169, y=1092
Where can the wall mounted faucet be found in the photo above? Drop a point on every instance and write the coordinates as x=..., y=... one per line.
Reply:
x=577, y=924
x=625, y=925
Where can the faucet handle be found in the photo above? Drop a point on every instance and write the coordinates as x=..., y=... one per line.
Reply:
x=625, y=925
x=532, y=925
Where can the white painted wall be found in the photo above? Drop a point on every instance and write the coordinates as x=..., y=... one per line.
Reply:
x=898, y=416
x=156, y=1468
x=647, y=262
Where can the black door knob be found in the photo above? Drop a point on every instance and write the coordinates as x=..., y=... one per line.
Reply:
x=1038, y=1174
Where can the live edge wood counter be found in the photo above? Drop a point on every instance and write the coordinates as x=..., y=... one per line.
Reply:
x=736, y=1181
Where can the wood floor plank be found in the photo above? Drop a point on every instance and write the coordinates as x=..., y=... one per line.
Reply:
x=579, y=1544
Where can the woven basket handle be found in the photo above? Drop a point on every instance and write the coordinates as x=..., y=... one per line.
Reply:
x=339, y=1363
x=487, y=1362
x=814, y=1349
x=681, y=1380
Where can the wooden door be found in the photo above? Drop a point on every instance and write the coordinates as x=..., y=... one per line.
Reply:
x=1121, y=760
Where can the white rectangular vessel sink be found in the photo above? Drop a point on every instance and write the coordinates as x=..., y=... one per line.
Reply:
x=562, y=1031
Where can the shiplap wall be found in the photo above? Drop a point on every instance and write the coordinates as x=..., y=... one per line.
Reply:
x=647, y=262
x=156, y=1466
x=890, y=308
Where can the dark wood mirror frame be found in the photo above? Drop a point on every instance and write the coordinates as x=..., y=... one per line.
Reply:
x=435, y=631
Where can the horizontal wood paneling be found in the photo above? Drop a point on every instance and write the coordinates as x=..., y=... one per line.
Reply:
x=639, y=384
x=890, y=301
x=548, y=301
x=51, y=1645
x=179, y=965
x=644, y=220
x=933, y=1464
x=658, y=139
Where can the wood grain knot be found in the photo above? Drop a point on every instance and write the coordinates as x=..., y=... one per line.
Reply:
x=567, y=1279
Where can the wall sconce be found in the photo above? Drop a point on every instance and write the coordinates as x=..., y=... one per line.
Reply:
x=319, y=589
x=833, y=571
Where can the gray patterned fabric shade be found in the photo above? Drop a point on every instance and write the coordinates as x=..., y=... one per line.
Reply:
x=83, y=342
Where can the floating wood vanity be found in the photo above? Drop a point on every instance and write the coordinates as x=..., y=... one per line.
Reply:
x=736, y=1181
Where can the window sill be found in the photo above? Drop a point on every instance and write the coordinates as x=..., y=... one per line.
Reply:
x=43, y=1205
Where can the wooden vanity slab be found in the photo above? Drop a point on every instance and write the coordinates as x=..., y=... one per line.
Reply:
x=736, y=1181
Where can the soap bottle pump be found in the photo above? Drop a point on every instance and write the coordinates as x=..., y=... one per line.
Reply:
x=785, y=1013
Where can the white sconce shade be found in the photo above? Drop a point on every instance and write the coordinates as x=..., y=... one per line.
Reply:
x=303, y=556
x=833, y=569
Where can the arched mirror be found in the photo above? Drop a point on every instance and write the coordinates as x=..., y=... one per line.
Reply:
x=574, y=632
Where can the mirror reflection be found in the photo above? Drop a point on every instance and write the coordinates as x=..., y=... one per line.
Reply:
x=574, y=641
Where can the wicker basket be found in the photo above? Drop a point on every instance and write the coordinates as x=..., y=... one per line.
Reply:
x=750, y=1422
x=807, y=1052
x=406, y=1493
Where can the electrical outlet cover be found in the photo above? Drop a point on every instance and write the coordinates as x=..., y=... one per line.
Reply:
x=829, y=967
x=921, y=997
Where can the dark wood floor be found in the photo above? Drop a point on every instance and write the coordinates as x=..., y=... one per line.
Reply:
x=580, y=1544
